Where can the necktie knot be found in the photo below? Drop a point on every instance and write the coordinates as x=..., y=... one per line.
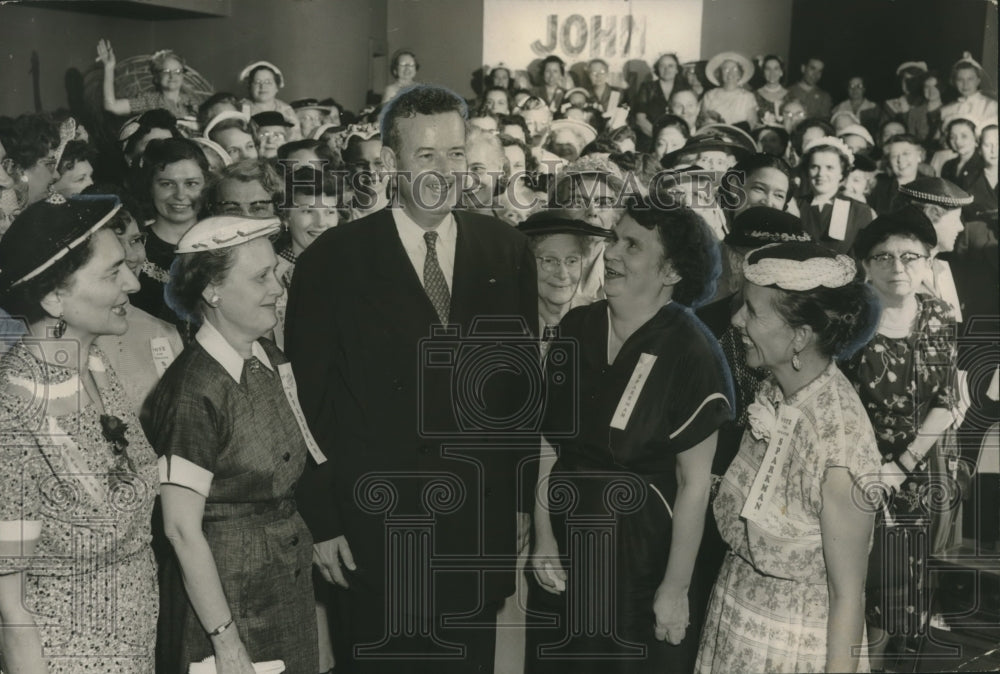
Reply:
x=431, y=239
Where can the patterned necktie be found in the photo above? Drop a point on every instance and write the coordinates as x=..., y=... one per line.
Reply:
x=434, y=283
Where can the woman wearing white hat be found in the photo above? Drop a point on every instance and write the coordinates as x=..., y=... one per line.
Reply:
x=734, y=103
x=967, y=77
x=232, y=441
x=263, y=79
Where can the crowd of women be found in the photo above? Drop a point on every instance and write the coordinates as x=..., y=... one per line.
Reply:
x=791, y=274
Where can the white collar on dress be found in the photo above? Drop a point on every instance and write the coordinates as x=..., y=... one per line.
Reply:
x=223, y=352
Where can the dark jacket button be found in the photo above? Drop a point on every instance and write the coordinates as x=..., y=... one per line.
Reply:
x=295, y=540
x=286, y=456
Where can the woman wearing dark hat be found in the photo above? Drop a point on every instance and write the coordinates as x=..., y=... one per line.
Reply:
x=730, y=72
x=942, y=202
x=172, y=177
x=167, y=70
x=831, y=219
x=270, y=130
x=263, y=79
x=789, y=597
x=232, y=442
x=905, y=377
x=637, y=458
x=860, y=181
x=561, y=245
x=77, y=574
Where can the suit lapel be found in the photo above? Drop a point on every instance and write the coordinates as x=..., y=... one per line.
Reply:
x=468, y=261
x=396, y=285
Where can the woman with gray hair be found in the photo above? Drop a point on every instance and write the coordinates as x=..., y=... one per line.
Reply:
x=232, y=441
x=167, y=69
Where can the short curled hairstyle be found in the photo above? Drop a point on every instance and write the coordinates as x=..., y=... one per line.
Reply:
x=245, y=171
x=846, y=162
x=730, y=196
x=842, y=319
x=397, y=56
x=157, y=62
x=670, y=120
x=420, y=99
x=798, y=135
x=161, y=153
x=190, y=274
x=76, y=151
x=688, y=244
x=28, y=138
x=552, y=58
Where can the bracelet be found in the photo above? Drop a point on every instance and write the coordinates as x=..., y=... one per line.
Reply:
x=221, y=628
x=913, y=455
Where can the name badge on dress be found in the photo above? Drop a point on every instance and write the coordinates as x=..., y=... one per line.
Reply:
x=769, y=474
x=291, y=394
x=163, y=355
x=838, y=219
x=631, y=395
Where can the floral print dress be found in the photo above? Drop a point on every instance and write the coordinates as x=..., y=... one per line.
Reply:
x=770, y=604
x=899, y=380
x=87, y=484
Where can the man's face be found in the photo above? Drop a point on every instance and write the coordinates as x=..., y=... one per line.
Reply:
x=792, y=114
x=812, y=71
x=431, y=151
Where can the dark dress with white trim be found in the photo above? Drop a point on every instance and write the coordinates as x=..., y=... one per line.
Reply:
x=244, y=434
x=612, y=490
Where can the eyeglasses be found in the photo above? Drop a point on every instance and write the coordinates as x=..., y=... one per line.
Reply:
x=888, y=260
x=172, y=71
x=552, y=264
x=137, y=241
x=272, y=135
x=256, y=209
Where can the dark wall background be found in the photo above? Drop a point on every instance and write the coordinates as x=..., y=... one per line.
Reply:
x=885, y=33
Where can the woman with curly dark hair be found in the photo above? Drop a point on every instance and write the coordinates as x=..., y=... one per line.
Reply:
x=172, y=176
x=654, y=389
x=32, y=145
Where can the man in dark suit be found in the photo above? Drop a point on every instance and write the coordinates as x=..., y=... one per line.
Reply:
x=422, y=501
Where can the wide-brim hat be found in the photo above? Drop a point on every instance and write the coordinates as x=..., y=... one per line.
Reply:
x=225, y=231
x=762, y=225
x=720, y=58
x=937, y=191
x=586, y=132
x=857, y=130
x=547, y=222
x=309, y=104
x=718, y=137
x=909, y=220
x=270, y=118
x=46, y=231
x=777, y=130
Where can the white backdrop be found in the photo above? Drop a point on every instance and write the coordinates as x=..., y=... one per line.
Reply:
x=517, y=32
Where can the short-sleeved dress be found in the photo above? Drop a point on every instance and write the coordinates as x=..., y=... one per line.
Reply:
x=614, y=484
x=237, y=443
x=770, y=604
x=899, y=380
x=186, y=106
x=92, y=580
